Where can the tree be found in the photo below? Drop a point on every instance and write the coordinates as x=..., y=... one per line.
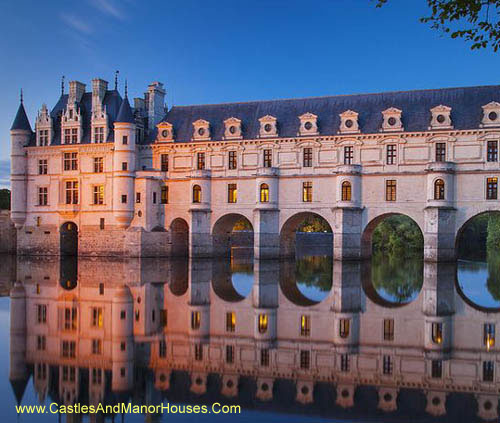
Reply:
x=476, y=21
x=4, y=199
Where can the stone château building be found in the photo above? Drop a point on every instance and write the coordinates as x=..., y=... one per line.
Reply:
x=100, y=177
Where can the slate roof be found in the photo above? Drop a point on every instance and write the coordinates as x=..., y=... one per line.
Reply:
x=465, y=103
x=125, y=114
x=21, y=120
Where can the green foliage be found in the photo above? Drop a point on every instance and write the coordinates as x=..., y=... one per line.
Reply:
x=493, y=282
x=4, y=199
x=397, y=235
x=476, y=21
x=480, y=237
x=314, y=224
x=242, y=225
x=314, y=271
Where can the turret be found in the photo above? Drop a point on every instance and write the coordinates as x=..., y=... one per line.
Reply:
x=124, y=165
x=20, y=135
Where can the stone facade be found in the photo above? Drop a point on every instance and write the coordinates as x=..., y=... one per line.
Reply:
x=160, y=182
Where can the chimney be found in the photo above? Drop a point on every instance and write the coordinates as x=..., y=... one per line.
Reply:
x=99, y=88
x=155, y=100
x=76, y=91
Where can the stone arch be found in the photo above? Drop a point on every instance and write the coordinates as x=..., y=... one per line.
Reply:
x=226, y=242
x=179, y=238
x=466, y=220
x=222, y=282
x=366, y=236
x=68, y=239
x=288, y=285
x=288, y=234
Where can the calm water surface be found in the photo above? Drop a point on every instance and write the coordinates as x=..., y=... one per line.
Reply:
x=293, y=341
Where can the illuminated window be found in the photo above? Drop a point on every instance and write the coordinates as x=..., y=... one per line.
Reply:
x=344, y=327
x=489, y=335
x=264, y=193
x=305, y=325
x=437, y=333
x=97, y=317
x=230, y=321
x=196, y=194
x=232, y=193
x=439, y=189
x=307, y=192
x=346, y=191
x=390, y=190
x=195, y=320
x=491, y=188
x=388, y=329
x=98, y=194
x=263, y=322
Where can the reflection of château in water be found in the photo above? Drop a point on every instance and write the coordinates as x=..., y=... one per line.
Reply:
x=145, y=329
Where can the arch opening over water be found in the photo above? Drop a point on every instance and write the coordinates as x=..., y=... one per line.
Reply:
x=232, y=235
x=68, y=237
x=179, y=237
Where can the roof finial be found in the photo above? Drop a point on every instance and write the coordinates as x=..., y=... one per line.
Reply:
x=116, y=80
x=126, y=89
x=21, y=96
x=62, y=85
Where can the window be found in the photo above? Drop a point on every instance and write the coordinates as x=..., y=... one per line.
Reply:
x=264, y=193
x=41, y=342
x=195, y=320
x=344, y=363
x=388, y=329
x=232, y=193
x=96, y=376
x=68, y=374
x=124, y=199
x=196, y=194
x=348, y=155
x=263, y=322
x=229, y=354
x=101, y=223
x=489, y=335
x=137, y=197
x=44, y=137
x=264, y=357
x=390, y=190
x=162, y=349
x=440, y=151
x=164, y=195
x=305, y=325
x=439, y=189
x=437, y=333
x=41, y=313
x=491, y=188
x=125, y=140
x=492, y=151
x=307, y=192
x=70, y=318
x=488, y=371
x=71, y=192
x=99, y=134
x=124, y=165
x=232, y=160
x=42, y=166
x=200, y=161
x=70, y=161
x=98, y=194
x=122, y=371
x=268, y=158
x=346, y=191
x=154, y=197
x=101, y=288
x=198, y=352
x=74, y=135
x=307, y=157
x=344, y=326
x=391, y=154
x=163, y=318
x=98, y=165
x=96, y=315
x=230, y=321
x=69, y=349
x=387, y=365
x=305, y=359
x=164, y=162
x=437, y=369
x=96, y=346
x=67, y=136
x=43, y=196
x=123, y=315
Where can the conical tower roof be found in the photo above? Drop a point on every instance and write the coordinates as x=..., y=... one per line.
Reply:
x=21, y=120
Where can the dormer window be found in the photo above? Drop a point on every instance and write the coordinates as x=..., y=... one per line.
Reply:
x=44, y=127
x=71, y=125
x=99, y=134
x=268, y=126
x=308, y=124
x=392, y=120
x=232, y=128
x=349, y=122
x=441, y=117
x=165, y=132
x=491, y=114
x=201, y=130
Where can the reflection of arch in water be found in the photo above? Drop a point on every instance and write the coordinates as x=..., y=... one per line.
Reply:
x=227, y=242
x=68, y=272
x=222, y=279
x=68, y=239
x=471, y=303
x=366, y=237
x=179, y=237
x=463, y=226
x=178, y=276
x=288, y=233
x=288, y=285
x=371, y=292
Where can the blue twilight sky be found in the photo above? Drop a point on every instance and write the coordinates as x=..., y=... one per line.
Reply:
x=226, y=50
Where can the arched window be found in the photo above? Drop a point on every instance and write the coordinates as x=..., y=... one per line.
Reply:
x=439, y=189
x=264, y=193
x=196, y=194
x=346, y=191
